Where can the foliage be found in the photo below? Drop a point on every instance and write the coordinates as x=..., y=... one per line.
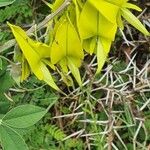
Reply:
x=92, y=34
x=36, y=54
x=5, y=3
x=6, y=82
x=18, y=11
x=19, y=117
x=99, y=102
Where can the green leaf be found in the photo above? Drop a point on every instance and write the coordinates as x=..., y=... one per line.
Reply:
x=108, y=10
x=24, y=116
x=133, y=21
x=34, y=52
x=1, y=116
x=67, y=46
x=132, y=6
x=77, y=10
x=93, y=23
x=42, y=49
x=90, y=45
x=64, y=43
x=75, y=71
x=11, y=140
x=25, y=69
x=6, y=82
x=103, y=47
x=6, y=2
x=4, y=104
x=119, y=21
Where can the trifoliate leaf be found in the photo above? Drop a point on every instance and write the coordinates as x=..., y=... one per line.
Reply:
x=92, y=23
x=66, y=46
x=33, y=53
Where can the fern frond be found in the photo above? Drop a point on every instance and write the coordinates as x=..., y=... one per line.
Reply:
x=56, y=132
